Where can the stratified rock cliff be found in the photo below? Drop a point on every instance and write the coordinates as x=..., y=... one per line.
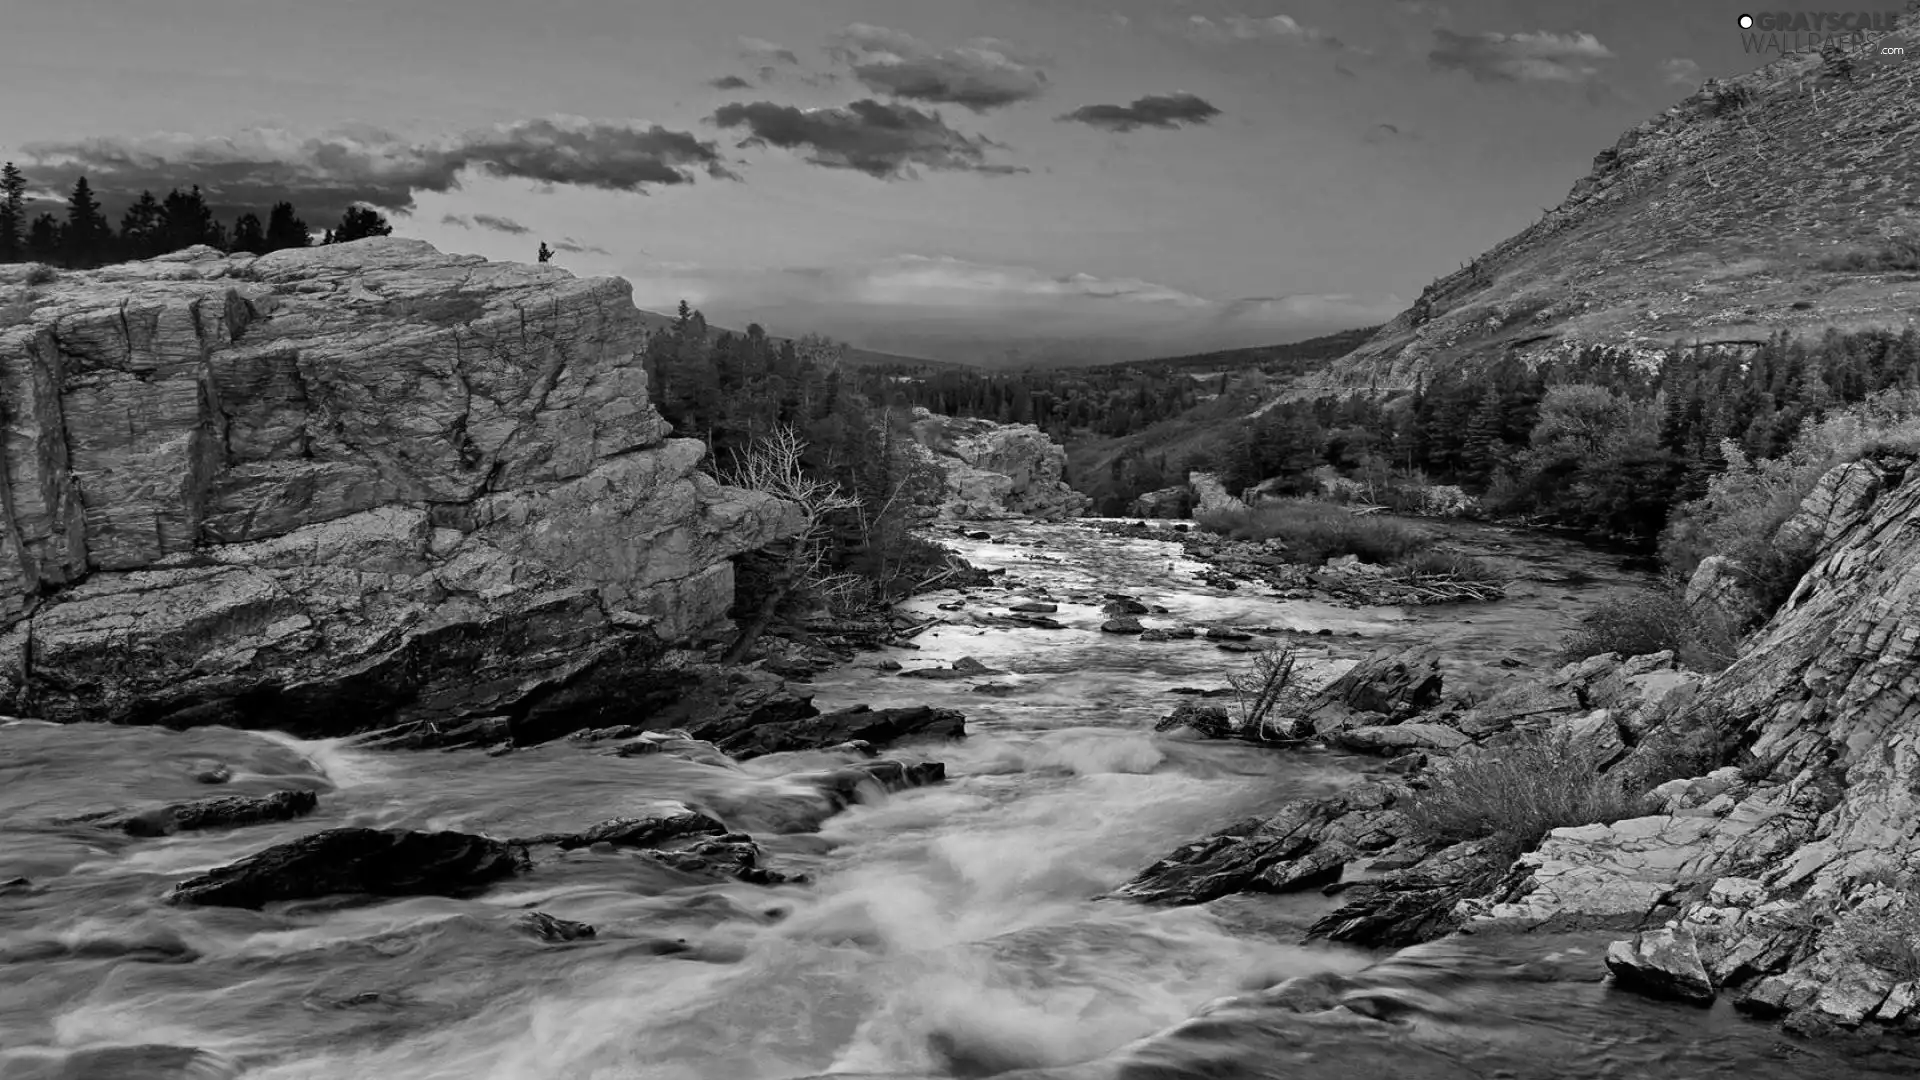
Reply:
x=335, y=488
x=999, y=470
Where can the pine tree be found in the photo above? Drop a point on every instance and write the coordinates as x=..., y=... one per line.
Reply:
x=186, y=220
x=284, y=230
x=360, y=222
x=140, y=228
x=88, y=239
x=249, y=235
x=13, y=214
x=43, y=239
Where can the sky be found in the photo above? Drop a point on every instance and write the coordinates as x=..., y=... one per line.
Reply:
x=991, y=181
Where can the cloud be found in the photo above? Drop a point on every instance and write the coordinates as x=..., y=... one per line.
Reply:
x=457, y=220
x=1542, y=57
x=981, y=76
x=1121, y=21
x=955, y=309
x=761, y=50
x=575, y=246
x=1383, y=133
x=323, y=175
x=1681, y=71
x=1232, y=28
x=1153, y=110
x=881, y=140
x=500, y=224
x=730, y=82
x=1424, y=8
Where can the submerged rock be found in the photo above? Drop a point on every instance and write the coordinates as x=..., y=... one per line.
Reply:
x=966, y=667
x=545, y=927
x=1211, y=721
x=220, y=812
x=354, y=861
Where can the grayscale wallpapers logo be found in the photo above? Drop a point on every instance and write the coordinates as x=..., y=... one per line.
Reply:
x=1782, y=32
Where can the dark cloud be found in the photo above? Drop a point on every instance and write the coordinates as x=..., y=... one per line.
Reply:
x=456, y=219
x=730, y=82
x=1153, y=110
x=1542, y=57
x=575, y=246
x=880, y=140
x=1382, y=133
x=981, y=76
x=324, y=175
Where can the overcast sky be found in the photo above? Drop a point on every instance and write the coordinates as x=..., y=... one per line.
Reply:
x=959, y=179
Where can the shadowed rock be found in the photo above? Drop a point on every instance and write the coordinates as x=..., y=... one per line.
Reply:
x=862, y=723
x=662, y=822
x=353, y=861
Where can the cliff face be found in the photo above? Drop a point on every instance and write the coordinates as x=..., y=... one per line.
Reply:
x=339, y=487
x=1714, y=221
x=1794, y=881
x=999, y=470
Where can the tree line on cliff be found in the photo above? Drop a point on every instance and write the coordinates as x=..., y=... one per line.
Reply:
x=83, y=236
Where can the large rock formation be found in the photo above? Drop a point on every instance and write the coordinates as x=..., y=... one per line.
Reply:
x=1796, y=877
x=336, y=488
x=997, y=471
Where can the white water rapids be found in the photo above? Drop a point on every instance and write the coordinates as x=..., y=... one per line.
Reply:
x=950, y=930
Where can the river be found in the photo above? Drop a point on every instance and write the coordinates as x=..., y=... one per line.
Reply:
x=950, y=930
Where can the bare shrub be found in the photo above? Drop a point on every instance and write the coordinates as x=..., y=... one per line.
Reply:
x=42, y=274
x=1259, y=691
x=1517, y=794
x=1651, y=620
x=773, y=466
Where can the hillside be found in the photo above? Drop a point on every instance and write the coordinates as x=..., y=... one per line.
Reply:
x=1783, y=199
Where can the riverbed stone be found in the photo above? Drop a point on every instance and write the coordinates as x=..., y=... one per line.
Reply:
x=1661, y=963
x=1397, y=738
x=357, y=861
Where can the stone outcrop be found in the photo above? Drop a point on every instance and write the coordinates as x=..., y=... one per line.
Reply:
x=346, y=487
x=1210, y=496
x=997, y=471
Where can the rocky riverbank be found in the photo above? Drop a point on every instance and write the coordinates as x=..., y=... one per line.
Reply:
x=1774, y=859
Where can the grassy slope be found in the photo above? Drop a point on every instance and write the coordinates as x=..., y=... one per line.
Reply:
x=1707, y=223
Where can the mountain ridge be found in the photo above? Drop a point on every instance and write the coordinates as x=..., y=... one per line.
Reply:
x=1754, y=205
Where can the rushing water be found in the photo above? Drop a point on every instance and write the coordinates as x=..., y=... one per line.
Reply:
x=952, y=930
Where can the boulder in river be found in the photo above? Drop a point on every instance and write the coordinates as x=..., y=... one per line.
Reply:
x=1395, y=684
x=545, y=927
x=355, y=861
x=1662, y=963
x=658, y=824
x=1124, y=624
x=862, y=723
x=966, y=667
x=1305, y=844
x=1211, y=721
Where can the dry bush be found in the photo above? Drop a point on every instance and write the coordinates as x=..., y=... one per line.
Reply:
x=1886, y=937
x=1258, y=692
x=1517, y=794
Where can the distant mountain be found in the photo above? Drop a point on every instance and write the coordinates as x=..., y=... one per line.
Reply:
x=654, y=320
x=1787, y=198
x=1299, y=357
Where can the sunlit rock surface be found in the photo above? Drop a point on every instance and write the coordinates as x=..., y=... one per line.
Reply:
x=335, y=488
x=999, y=471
